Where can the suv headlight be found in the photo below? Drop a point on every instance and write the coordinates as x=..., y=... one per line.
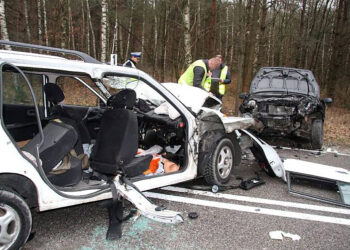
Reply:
x=252, y=104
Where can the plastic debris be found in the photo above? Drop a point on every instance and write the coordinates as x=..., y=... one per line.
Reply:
x=278, y=235
x=193, y=215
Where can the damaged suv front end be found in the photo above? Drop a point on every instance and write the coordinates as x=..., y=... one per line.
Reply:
x=286, y=101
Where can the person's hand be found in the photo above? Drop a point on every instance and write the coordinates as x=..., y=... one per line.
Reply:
x=209, y=74
x=221, y=81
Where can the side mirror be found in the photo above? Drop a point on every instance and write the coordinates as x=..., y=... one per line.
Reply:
x=327, y=100
x=243, y=95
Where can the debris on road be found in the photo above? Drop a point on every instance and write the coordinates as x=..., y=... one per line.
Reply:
x=323, y=175
x=278, y=235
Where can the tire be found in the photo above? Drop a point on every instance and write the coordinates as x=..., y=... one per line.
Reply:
x=220, y=164
x=317, y=134
x=15, y=220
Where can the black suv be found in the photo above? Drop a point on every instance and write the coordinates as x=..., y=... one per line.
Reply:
x=286, y=101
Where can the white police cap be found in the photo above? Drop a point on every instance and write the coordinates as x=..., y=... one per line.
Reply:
x=135, y=54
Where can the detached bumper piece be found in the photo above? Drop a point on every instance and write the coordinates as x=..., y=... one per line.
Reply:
x=123, y=188
x=322, y=176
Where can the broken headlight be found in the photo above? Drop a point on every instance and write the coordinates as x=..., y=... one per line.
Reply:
x=251, y=104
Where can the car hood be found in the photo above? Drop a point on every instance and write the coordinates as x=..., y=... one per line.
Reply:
x=282, y=81
x=193, y=97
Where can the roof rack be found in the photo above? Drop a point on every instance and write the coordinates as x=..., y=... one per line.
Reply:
x=81, y=55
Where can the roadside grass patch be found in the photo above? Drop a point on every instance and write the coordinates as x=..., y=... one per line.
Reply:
x=337, y=126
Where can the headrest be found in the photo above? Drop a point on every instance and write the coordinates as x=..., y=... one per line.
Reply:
x=53, y=93
x=125, y=98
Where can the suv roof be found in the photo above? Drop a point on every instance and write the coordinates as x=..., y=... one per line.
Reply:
x=285, y=79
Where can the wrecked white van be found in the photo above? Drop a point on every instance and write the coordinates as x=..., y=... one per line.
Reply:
x=71, y=130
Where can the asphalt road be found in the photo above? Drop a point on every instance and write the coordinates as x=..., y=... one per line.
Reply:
x=223, y=223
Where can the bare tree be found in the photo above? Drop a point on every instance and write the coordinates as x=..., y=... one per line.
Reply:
x=91, y=28
x=143, y=29
x=129, y=30
x=155, y=35
x=45, y=23
x=212, y=33
x=115, y=31
x=70, y=26
x=40, y=31
x=104, y=31
x=187, y=34
x=4, y=32
x=29, y=35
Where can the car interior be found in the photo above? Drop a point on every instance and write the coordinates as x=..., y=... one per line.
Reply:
x=84, y=144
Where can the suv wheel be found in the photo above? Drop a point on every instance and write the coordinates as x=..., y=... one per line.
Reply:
x=220, y=165
x=317, y=134
x=15, y=220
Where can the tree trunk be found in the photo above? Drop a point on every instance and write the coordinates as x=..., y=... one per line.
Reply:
x=45, y=24
x=82, y=26
x=129, y=29
x=115, y=32
x=4, y=32
x=63, y=25
x=40, y=30
x=227, y=21
x=165, y=42
x=71, y=28
x=340, y=45
x=262, y=36
x=155, y=38
x=91, y=28
x=212, y=34
x=143, y=30
x=240, y=55
x=29, y=35
x=87, y=30
x=187, y=34
x=250, y=44
x=104, y=31
x=197, y=43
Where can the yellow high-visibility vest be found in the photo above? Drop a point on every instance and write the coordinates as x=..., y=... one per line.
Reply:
x=222, y=86
x=187, y=77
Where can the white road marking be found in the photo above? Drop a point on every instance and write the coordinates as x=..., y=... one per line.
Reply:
x=258, y=200
x=312, y=151
x=249, y=209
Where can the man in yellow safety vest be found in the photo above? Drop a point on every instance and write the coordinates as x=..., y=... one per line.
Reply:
x=196, y=74
x=216, y=83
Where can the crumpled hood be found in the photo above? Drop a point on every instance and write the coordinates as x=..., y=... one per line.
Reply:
x=192, y=97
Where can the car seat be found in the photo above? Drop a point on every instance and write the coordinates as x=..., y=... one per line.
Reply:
x=59, y=140
x=117, y=141
x=55, y=96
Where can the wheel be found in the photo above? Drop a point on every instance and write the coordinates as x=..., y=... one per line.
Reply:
x=317, y=134
x=15, y=220
x=220, y=165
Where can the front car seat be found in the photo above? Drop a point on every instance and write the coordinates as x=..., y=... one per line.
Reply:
x=117, y=141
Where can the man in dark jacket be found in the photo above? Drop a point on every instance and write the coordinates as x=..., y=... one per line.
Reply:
x=220, y=77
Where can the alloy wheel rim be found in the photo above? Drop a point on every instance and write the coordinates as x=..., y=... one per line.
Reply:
x=9, y=226
x=224, y=162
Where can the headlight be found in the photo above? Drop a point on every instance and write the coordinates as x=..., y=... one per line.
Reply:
x=251, y=104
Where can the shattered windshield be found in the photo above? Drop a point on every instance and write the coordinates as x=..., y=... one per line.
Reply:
x=143, y=91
